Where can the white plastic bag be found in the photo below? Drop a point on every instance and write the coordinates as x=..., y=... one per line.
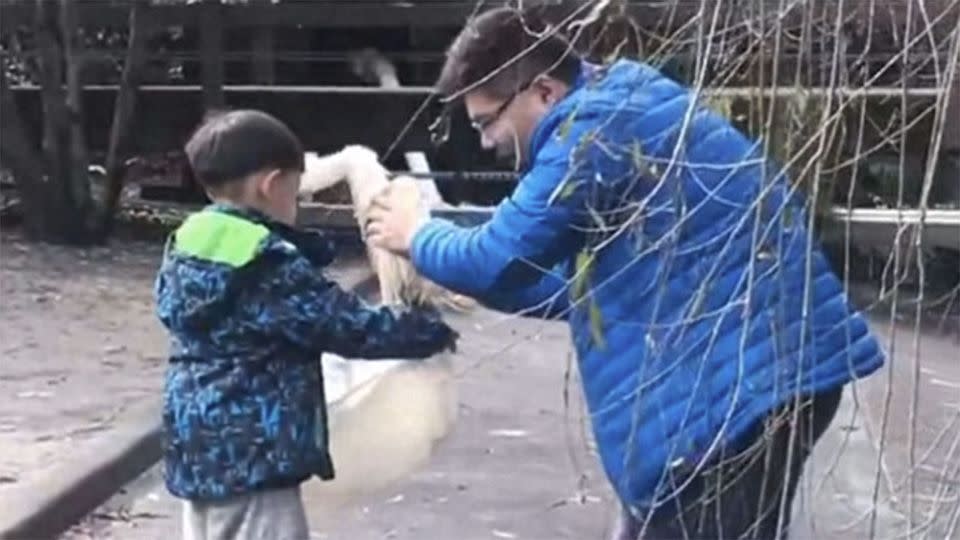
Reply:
x=385, y=419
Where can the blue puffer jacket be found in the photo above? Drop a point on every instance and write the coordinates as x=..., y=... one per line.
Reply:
x=249, y=314
x=697, y=300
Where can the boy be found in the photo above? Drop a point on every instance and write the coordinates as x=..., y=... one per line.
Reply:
x=249, y=313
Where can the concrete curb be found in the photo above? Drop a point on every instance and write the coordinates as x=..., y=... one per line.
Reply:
x=49, y=506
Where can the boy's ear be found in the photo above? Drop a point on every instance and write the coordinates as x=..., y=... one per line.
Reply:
x=267, y=183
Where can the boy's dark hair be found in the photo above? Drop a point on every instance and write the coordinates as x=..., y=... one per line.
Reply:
x=229, y=146
x=497, y=36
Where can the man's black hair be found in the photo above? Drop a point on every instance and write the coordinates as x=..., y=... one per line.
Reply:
x=494, y=38
x=232, y=145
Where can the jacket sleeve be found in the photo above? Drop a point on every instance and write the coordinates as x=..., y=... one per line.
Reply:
x=508, y=253
x=314, y=312
x=509, y=256
x=547, y=299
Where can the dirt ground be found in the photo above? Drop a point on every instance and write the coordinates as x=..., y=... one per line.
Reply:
x=78, y=345
x=518, y=464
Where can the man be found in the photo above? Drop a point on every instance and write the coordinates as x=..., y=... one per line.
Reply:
x=713, y=340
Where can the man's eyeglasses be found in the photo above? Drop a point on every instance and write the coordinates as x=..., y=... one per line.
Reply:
x=482, y=123
x=440, y=128
x=485, y=121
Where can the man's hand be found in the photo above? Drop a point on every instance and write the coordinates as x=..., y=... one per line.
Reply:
x=395, y=217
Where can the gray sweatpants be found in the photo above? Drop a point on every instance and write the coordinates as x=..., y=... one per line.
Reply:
x=267, y=515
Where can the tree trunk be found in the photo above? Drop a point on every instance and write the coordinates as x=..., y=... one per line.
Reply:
x=77, y=178
x=20, y=156
x=123, y=113
x=53, y=182
x=59, y=216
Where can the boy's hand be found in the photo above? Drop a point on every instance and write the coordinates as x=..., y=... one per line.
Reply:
x=452, y=340
x=450, y=344
x=447, y=336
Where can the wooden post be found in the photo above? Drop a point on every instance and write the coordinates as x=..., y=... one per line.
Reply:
x=263, y=53
x=211, y=54
x=56, y=128
x=416, y=43
x=18, y=154
x=123, y=111
x=263, y=69
x=79, y=184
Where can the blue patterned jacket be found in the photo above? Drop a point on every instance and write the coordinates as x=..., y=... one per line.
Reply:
x=249, y=314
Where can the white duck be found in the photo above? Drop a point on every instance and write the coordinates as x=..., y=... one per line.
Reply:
x=387, y=416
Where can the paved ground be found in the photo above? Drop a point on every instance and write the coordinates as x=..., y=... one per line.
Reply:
x=527, y=485
x=874, y=431
x=79, y=345
x=516, y=465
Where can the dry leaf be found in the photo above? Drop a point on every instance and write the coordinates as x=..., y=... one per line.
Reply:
x=34, y=394
x=508, y=433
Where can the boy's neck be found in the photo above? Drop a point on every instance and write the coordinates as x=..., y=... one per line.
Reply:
x=316, y=247
x=243, y=209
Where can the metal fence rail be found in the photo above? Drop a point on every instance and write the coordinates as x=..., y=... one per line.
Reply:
x=740, y=92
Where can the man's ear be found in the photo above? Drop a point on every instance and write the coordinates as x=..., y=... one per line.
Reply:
x=549, y=90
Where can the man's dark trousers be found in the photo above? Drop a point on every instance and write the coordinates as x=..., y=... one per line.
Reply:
x=739, y=496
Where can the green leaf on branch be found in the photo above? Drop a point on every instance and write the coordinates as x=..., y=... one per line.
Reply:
x=597, y=219
x=636, y=152
x=583, y=268
x=596, y=324
x=721, y=105
x=789, y=219
x=563, y=131
x=564, y=189
x=569, y=186
x=640, y=162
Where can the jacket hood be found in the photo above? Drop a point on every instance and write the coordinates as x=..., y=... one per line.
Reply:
x=216, y=253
